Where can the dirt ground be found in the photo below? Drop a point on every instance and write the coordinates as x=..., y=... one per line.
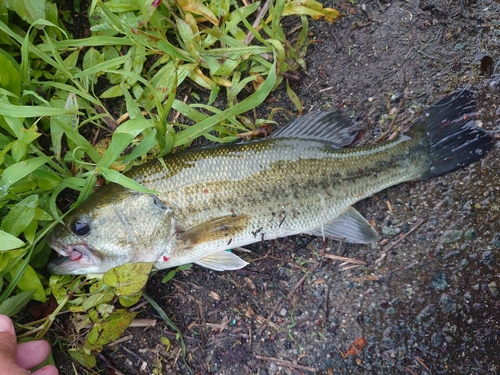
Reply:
x=427, y=299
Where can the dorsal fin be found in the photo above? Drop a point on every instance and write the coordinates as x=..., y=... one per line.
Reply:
x=328, y=126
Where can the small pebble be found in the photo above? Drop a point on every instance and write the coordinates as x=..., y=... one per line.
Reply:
x=451, y=236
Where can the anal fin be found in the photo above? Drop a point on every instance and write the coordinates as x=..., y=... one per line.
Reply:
x=222, y=261
x=350, y=227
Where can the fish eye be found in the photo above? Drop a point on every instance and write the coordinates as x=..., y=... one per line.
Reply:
x=80, y=227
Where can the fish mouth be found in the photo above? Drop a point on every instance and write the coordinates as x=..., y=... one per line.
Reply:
x=75, y=259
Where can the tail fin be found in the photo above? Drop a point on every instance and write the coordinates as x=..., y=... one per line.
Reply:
x=454, y=138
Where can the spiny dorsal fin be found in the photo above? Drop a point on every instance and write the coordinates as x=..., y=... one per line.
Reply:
x=350, y=227
x=326, y=126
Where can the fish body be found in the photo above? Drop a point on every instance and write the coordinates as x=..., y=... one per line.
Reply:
x=300, y=180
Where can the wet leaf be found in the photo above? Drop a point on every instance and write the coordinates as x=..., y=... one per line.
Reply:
x=13, y=305
x=165, y=341
x=122, y=138
x=196, y=7
x=129, y=278
x=9, y=242
x=28, y=10
x=24, y=138
x=113, y=92
x=91, y=58
x=9, y=76
x=96, y=299
x=83, y=357
x=310, y=8
x=15, y=172
x=30, y=282
x=127, y=301
x=118, y=178
x=20, y=216
x=294, y=98
x=110, y=329
x=169, y=276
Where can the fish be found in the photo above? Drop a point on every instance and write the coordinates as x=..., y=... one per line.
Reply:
x=301, y=179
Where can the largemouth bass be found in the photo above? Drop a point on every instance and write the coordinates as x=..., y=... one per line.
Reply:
x=300, y=180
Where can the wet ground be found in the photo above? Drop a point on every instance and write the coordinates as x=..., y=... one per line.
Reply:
x=426, y=301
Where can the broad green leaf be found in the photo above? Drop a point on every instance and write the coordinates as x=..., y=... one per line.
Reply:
x=16, y=172
x=28, y=10
x=96, y=299
x=130, y=300
x=128, y=279
x=112, y=92
x=30, y=281
x=9, y=242
x=91, y=58
x=122, y=138
x=21, y=146
x=9, y=76
x=13, y=305
x=83, y=357
x=169, y=276
x=110, y=329
x=20, y=216
x=118, y=178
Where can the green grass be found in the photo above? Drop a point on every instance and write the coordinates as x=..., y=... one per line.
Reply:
x=142, y=54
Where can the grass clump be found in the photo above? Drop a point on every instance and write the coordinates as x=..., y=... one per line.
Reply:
x=56, y=91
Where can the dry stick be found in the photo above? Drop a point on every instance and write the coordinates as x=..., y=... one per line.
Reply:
x=289, y=364
x=345, y=259
x=143, y=323
x=261, y=14
x=120, y=340
x=303, y=278
x=417, y=224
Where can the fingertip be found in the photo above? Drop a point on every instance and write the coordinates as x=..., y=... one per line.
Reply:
x=32, y=353
x=46, y=370
x=6, y=324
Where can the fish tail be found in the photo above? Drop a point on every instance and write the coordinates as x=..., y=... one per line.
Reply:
x=453, y=138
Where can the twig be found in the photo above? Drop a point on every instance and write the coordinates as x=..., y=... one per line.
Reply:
x=261, y=14
x=143, y=323
x=120, y=340
x=302, y=279
x=275, y=308
x=421, y=361
x=289, y=364
x=414, y=228
x=345, y=259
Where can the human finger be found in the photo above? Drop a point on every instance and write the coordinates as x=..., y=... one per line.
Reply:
x=31, y=354
x=46, y=370
x=8, y=347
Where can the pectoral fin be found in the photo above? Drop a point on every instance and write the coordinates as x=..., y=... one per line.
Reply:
x=222, y=261
x=224, y=227
x=350, y=227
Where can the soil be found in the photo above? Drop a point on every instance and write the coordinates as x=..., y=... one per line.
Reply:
x=426, y=301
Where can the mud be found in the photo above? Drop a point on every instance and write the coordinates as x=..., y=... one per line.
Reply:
x=427, y=299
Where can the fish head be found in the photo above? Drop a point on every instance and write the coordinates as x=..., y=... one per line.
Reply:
x=112, y=227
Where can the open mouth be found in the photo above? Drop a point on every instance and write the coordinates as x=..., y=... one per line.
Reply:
x=72, y=258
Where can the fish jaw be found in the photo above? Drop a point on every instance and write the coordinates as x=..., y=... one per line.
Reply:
x=74, y=258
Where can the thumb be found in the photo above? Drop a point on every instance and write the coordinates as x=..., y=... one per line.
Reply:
x=8, y=347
